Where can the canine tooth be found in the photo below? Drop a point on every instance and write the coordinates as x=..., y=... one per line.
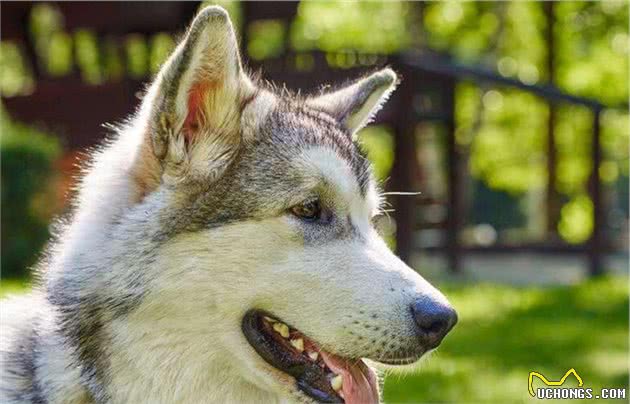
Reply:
x=298, y=344
x=337, y=382
x=269, y=319
x=313, y=355
x=282, y=329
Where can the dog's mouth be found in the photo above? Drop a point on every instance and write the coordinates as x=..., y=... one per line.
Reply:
x=320, y=375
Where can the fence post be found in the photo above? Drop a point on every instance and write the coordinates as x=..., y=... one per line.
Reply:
x=405, y=167
x=454, y=204
x=552, y=201
x=596, y=243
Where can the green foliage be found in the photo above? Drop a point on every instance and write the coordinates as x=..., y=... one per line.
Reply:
x=60, y=54
x=523, y=40
x=506, y=130
x=26, y=164
x=87, y=54
x=504, y=333
x=573, y=144
x=338, y=25
x=59, y=51
x=615, y=143
x=161, y=46
x=503, y=129
x=378, y=143
x=508, y=148
x=9, y=287
x=576, y=219
x=53, y=46
x=592, y=49
x=112, y=64
x=137, y=56
x=14, y=76
x=266, y=39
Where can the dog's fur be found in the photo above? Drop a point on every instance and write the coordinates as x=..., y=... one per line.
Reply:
x=181, y=225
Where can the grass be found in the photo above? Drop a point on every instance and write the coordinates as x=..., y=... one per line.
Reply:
x=506, y=332
x=12, y=286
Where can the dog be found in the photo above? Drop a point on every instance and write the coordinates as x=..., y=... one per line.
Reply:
x=221, y=249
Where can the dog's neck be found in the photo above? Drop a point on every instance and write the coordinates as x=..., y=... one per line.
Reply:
x=129, y=348
x=153, y=361
x=149, y=370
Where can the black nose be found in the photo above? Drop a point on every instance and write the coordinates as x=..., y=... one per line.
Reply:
x=434, y=320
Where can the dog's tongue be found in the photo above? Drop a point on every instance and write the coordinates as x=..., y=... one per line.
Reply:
x=359, y=382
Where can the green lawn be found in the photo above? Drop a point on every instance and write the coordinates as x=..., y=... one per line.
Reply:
x=11, y=286
x=506, y=332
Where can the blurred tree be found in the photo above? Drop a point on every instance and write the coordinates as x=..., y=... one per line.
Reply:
x=378, y=143
x=88, y=56
x=339, y=25
x=52, y=44
x=137, y=56
x=502, y=131
x=161, y=46
x=14, y=75
x=26, y=158
x=267, y=39
x=591, y=60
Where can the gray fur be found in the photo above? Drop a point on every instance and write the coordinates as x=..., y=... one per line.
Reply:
x=21, y=362
x=261, y=181
x=354, y=105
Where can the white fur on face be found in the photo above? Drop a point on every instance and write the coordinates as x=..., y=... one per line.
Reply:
x=350, y=295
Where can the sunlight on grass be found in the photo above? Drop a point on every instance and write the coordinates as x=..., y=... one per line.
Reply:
x=485, y=301
x=505, y=332
x=13, y=286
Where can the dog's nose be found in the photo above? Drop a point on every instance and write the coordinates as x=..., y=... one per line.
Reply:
x=433, y=320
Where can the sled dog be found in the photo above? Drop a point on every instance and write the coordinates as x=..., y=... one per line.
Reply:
x=221, y=249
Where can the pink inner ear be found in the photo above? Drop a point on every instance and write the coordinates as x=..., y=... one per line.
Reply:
x=196, y=95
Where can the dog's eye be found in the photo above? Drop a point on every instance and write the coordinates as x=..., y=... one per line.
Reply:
x=308, y=210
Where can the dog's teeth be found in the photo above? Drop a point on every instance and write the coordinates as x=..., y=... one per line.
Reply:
x=282, y=329
x=337, y=382
x=313, y=355
x=269, y=319
x=298, y=344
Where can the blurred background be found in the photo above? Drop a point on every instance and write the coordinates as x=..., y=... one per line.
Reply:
x=511, y=121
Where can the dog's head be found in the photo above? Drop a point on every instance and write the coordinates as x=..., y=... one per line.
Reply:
x=267, y=204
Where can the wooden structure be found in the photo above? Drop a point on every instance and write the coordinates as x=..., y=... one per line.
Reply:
x=77, y=110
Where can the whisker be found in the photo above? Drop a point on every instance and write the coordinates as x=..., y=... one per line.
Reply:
x=402, y=193
x=386, y=211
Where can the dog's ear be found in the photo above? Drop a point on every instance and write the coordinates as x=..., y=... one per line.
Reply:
x=357, y=103
x=195, y=103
